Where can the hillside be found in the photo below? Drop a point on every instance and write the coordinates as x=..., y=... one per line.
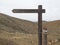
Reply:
x=53, y=29
x=11, y=24
x=14, y=31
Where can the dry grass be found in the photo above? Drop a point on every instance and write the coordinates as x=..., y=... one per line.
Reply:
x=20, y=39
x=21, y=32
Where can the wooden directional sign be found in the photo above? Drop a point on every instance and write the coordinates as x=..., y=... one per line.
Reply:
x=39, y=11
x=27, y=10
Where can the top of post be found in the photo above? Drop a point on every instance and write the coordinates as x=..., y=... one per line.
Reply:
x=40, y=9
x=39, y=5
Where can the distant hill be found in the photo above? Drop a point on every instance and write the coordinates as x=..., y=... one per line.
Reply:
x=11, y=24
x=53, y=25
x=53, y=29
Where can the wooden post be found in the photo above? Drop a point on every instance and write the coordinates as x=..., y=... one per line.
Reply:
x=40, y=24
x=45, y=36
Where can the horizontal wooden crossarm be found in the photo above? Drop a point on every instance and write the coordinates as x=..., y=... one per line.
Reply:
x=27, y=11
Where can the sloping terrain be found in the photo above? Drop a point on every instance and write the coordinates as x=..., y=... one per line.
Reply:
x=53, y=28
x=11, y=24
x=14, y=31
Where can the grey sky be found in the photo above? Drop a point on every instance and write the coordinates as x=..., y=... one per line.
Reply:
x=52, y=8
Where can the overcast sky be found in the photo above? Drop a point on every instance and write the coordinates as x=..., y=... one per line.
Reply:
x=52, y=8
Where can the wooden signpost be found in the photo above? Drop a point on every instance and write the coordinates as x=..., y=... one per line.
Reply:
x=39, y=11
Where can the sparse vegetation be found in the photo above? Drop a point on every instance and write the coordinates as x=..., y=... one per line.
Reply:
x=15, y=31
